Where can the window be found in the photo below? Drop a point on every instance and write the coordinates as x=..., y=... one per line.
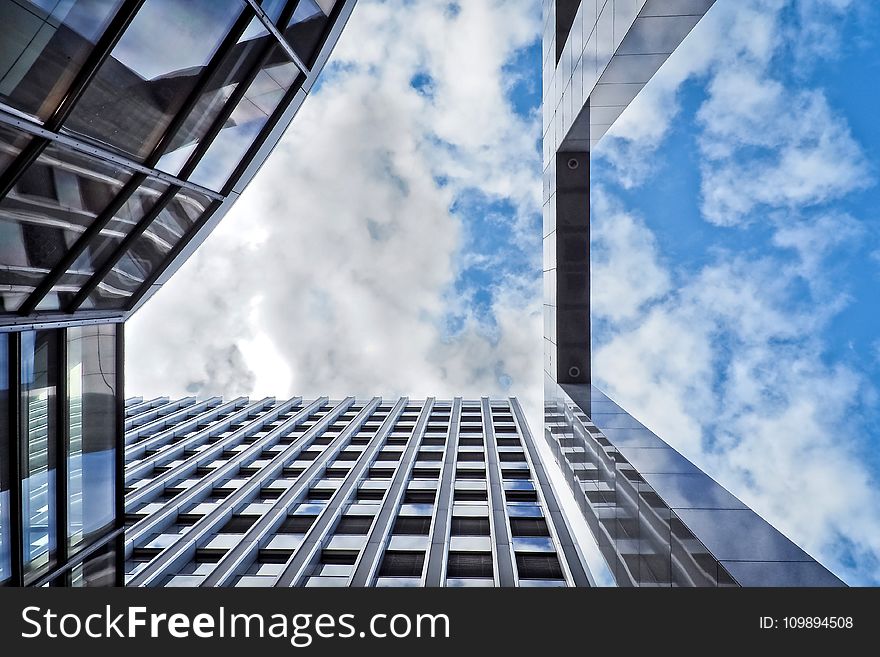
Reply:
x=354, y=525
x=419, y=497
x=538, y=566
x=148, y=251
x=412, y=525
x=296, y=524
x=469, y=565
x=91, y=456
x=98, y=570
x=39, y=385
x=140, y=88
x=528, y=527
x=468, y=526
x=238, y=524
x=402, y=564
x=521, y=495
x=463, y=495
x=44, y=47
x=470, y=474
x=5, y=537
x=54, y=201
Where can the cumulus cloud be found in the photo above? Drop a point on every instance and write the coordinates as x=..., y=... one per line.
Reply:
x=728, y=360
x=337, y=271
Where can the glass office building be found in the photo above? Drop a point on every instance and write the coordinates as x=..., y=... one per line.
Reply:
x=340, y=493
x=127, y=130
x=658, y=520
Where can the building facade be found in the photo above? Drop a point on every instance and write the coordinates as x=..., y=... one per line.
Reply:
x=658, y=520
x=340, y=493
x=128, y=128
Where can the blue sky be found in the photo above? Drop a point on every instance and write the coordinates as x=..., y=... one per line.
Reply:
x=750, y=207
x=391, y=245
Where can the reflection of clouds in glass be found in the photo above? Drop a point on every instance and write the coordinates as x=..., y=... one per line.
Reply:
x=92, y=491
x=168, y=35
x=244, y=125
x=225, y=153
x=86, y=17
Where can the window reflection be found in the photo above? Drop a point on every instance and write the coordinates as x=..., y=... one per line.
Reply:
x=11, y=144
x=307, y=26
x=5, y=538
x=47, y=210
x=98, y=570
x=39, y=376
x=103, y=245
x=236, y=67
x=148, y=251
x=156, y=64
x=44, y=45
x=91, y=386
x=277, y=74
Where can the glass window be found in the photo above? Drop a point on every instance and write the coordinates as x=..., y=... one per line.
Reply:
x=103, y=245
x=11, y=144
x=98, y=570
x=148, y=251
x=276, y=76
x=44, y=45
x=50, y=206
x=39, y=381
x=5, y=539
x=157, y=63
x=91, y=458
x=236, y=66
x=272, y=8
x=307, y=27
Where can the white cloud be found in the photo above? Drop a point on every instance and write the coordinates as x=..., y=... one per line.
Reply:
x=727, y=370
x=624, y=260
x=728, y=364
x=334, y=272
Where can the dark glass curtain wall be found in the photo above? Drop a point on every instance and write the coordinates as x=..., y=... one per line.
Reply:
x=60, y=403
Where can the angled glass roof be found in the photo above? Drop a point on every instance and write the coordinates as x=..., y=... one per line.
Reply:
x=127, y=128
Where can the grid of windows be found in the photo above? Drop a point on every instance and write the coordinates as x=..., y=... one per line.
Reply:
x=339, y=493
x=119, y=141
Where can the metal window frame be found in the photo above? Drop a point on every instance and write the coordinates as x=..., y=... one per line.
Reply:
x=122, y=248
x=57, y=572
x=45, y=133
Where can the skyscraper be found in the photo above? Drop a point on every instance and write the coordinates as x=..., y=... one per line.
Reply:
x=657, y=518
x=340, y=493
x=127, y=130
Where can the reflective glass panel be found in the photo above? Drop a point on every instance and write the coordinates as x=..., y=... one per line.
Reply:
x=264, y=94
x=158, y=61
x=102, y=246
x=307, y=27
x=44, y=45
x=273, y=8
x=148, y=251
x=236, y=66
x=11, y=144
x=50, y=206
x=39, y=382
x=98, y=570
x=5, y=539
x=91, y=389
